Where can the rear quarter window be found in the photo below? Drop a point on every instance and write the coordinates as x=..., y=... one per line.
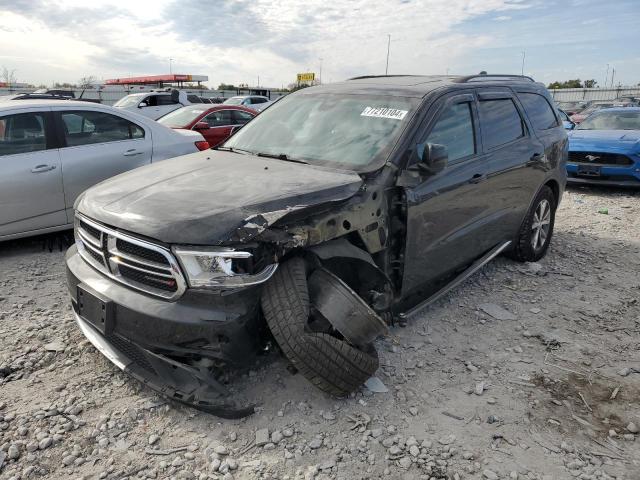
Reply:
x=539, y=111
x=500, y=122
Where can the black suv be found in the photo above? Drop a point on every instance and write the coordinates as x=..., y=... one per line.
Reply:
x=336, y=212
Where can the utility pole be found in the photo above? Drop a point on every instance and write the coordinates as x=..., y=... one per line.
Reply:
x=386, y=70
x=613, y=74
x=522, y=69
x=170, y=60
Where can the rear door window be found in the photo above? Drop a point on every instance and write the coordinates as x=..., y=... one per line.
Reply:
x=165, y=100
x=500, y=122
x=539, y=111
x=221, y=118
x=454, y=130
x=86, y=128
x=22, y=133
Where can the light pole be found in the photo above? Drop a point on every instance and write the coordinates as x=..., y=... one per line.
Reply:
x=522, y=69
x=606, y=77
x=170, y=60
x=386, y=70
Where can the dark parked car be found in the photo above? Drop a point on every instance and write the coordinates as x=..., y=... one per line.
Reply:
x=215, y=123
x=335, y=212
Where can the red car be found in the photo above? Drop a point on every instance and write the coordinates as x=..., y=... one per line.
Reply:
x=214, y=122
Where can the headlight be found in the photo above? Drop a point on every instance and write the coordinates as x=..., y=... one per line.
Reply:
x=220, y=268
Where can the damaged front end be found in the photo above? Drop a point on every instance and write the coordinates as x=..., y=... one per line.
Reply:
x=184, y=302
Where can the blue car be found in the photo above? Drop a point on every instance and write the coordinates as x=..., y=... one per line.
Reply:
x=605, y=148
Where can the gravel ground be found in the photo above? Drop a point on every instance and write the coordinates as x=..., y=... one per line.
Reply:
x=526, y=371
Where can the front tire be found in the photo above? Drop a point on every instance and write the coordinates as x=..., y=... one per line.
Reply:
x=330, y=363
x=534, y=236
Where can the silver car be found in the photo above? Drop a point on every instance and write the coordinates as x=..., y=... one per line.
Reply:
x=53, y=150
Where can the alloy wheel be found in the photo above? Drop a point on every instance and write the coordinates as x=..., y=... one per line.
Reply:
x=541, y=224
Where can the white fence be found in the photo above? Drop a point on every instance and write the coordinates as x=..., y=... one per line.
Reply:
x=577, y=94
x=111, y=95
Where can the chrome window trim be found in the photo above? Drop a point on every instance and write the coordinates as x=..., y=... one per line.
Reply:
x=112, y=258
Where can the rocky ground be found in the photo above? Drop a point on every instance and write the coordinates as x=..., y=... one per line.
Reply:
x=524, y=372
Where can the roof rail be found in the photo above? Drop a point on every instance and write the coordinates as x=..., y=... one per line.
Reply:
x=382, y=76
x=489, y=77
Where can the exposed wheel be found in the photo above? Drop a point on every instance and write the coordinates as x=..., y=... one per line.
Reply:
x=330, y=363
x=535, y=234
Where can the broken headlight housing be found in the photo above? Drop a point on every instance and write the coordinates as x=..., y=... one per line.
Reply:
x=220, y=268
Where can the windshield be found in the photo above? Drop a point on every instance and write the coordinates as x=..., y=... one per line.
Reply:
x=345, y=131
x=234, y=101
x=129, y=100
x=181, y=117
x=597, y=106
x=612, y=120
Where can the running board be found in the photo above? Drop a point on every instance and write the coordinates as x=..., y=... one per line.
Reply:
x=473, y=268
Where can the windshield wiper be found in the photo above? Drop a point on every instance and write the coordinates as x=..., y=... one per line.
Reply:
x=233, y=150
x=281, y=156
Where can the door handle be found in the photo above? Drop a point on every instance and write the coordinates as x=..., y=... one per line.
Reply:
x=42, y=168
x=478, y=177
x=131, y=153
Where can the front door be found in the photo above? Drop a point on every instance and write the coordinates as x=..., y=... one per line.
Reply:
x=98, y=145
x=31, y=192
x=220, y=124
x=447, y=212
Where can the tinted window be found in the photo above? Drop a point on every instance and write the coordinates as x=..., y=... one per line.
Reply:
x=165, y=100
x=85, y=128
x=22, y=133
x=454, y=129
x=240, y=117
x=255, y=100
x=539, y=111
x=500, y=122
x=220, y=118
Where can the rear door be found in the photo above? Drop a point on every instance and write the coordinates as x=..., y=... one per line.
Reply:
x=546, y=125
x=31, y=191
x=98, y=145
x=447, y=212
x=515, y=159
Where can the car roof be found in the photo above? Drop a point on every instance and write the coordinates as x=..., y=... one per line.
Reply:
x=418, y=85
x=618, y=109
x=10, y=104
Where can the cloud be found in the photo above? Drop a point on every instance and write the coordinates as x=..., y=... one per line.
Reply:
x=235, y=41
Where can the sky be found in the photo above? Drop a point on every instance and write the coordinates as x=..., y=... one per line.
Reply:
x=246, y=41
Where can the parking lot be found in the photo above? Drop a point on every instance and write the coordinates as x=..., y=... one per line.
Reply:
x=527, y=371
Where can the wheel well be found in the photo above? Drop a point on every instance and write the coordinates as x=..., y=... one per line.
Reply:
x=555, y=188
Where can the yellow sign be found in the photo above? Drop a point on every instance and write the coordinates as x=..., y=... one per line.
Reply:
x=306, y=77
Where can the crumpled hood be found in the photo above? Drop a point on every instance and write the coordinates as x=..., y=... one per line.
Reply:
x=615, y=141
x=204, y=197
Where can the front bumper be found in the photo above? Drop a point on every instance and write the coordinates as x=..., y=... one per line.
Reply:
x=627, y=176
x=158, y=341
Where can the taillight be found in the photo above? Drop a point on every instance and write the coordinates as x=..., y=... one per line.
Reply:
x=202, y=145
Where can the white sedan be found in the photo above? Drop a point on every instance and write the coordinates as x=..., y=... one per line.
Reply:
x=53, y=150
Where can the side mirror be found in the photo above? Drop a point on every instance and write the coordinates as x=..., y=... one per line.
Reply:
x=142, y=104
x=201, y=126
x=429, y=158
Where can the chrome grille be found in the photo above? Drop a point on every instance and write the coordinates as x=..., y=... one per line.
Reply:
x=137, y=263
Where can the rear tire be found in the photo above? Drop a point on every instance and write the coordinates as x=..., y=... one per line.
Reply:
x=331, y=364
x=534, y=236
